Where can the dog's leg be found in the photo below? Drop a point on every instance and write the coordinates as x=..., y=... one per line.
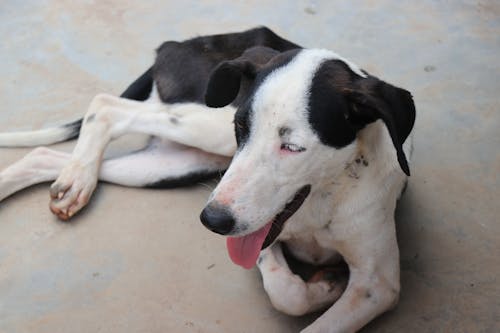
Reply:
x=373, y=286
x=39, y=166
x=164, y=165
x=288, y=292
x=110, y=117
x=161, y=164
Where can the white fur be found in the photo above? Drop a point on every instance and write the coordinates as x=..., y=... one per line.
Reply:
x=110, y=117
x=163, y=159
x=43, y=136
x=348, y=213
x=281, y=101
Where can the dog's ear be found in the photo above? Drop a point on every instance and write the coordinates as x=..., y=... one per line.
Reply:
x=393, y=105
x=224, y=82
x=227, y=78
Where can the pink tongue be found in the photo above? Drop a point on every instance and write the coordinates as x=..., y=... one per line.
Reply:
x=244, y=251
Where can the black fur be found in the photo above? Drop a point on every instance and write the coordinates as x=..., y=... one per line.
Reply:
x=236, y=82
x=189, y=179
x=224, y=84
x=398, y=113
x=227, y=69
x=182, y=69
x=328, y=109
x=341, y=103
x=74, y=129
x=374, y=99
x=141, y=88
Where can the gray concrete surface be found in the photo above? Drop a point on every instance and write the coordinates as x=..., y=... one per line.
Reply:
x=139, y=260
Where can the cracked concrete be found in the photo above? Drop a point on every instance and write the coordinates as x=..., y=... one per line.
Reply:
x=139, y=260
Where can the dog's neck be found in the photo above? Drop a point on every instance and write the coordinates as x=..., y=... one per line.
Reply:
x=373, y=148
x=374, y=145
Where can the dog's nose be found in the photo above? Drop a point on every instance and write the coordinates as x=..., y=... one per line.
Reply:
x=217, y=218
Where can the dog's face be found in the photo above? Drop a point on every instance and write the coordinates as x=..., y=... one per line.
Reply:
x=295, y=127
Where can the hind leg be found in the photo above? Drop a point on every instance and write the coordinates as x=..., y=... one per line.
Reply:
x=161, y=164
x=110, y=117
x=39, y=166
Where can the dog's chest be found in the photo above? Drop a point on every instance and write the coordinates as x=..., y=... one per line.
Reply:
x=311, y=233
x=308, y=249
x=304, y=234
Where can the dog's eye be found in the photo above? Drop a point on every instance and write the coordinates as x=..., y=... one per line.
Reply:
x=292, y=147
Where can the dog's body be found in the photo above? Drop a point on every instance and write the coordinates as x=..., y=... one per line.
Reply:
x=308, y=124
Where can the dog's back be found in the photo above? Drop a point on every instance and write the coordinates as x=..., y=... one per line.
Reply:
x=182, y=69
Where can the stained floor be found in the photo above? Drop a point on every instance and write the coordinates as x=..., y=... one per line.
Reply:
x=139, y=260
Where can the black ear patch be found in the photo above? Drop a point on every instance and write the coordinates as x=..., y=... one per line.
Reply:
x=328, y=113
x=224, y=83
x=341, y=103
x=226, y=79
x=393, y=105
x=328, y=109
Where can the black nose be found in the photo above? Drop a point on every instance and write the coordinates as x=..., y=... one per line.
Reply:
x=217, y=218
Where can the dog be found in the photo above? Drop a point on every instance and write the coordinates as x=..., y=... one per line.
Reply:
x=314, y=152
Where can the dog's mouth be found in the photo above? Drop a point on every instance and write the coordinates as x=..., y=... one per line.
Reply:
x=245, y=250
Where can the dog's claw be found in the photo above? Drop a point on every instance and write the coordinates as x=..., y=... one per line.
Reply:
x=57, y=191
x=59, y=213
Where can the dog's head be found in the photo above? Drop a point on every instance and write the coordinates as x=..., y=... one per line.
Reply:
x=296, y=125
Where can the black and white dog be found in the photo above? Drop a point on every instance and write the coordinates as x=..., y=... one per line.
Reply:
x=314, y=150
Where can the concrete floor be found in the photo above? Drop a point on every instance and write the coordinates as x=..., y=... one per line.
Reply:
x=139, y=260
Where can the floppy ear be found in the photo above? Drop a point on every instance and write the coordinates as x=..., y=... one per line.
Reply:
x=391, y=104
x=224, y=83
x=225, y=80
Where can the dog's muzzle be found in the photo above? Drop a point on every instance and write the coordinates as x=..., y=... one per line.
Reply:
x=244, y=250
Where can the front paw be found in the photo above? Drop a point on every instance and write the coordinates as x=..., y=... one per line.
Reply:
x=72, y=189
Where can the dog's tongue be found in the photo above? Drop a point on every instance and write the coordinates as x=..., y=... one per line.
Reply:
x=244, y=251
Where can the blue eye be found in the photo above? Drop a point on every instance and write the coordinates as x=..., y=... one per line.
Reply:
x=292, y=147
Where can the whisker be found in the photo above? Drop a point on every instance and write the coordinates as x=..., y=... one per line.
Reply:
x=206, y=186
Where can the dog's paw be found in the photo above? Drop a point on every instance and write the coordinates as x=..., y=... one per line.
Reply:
x=333, y=277
x=72, y=189
x=330, y=274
